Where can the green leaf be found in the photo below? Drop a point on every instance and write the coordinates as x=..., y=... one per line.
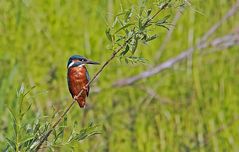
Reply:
x=27, y=141
x=29, y=90
x=36, y=126
x=122, y=13
x=125, y=51
x=151, y=38
x=163, y=21
x=84, y=133
x=126, y=60
x=12, y=113
x=128, y=15
x=21, y=90
x=134, y=45
x=123, y=27
x=109, y=36
x=11, y=143
x=149, y=12
x=135, y=59
x=140, y=24
x=15, y=127
x=115, y=22
x=164, y=5
x=28, y=108
x=164, y=26
x=141, y=9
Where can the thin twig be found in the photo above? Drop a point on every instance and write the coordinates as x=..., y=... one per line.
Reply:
x=69, y=107
x=44, y=138
x=170, y=62
x=161, y=8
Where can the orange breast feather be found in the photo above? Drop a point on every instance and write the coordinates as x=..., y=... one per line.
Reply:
x=77, y=79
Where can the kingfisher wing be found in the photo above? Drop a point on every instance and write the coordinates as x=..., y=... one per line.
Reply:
x=69, y=86
x=88, y=79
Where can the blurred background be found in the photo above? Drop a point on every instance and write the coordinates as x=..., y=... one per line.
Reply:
x=191, y=106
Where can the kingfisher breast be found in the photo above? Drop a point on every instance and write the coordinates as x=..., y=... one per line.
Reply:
x=77, y=79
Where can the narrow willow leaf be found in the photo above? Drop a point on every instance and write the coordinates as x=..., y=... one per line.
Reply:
x=59, y=134
x=128, y=14
x=12, y=113
x=134, y=46
x=22, y=88
x=123, y=27
x=125, y=51
x=119, y=39
x=36, y=127
x=141, y=10
x=164, y=26
x=107, y=32
x=126, y=60
x=27, y=141
x=11, y=143
x=115, y=22
x=140, y=24
x=15, y=127
x=136, y=59
x=28, y=108
x=151, y=38
x=163, y=21
x=55, y=135
x=29, y=90
x=164, y=5
x=120, y=14
x=149, y=12
x=143, y=37
x=130, y=33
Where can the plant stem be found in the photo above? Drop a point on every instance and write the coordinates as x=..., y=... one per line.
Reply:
x=162, y=8
x=70, y=106
x=44, y=137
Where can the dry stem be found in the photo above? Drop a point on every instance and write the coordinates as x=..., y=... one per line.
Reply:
x=44, y=137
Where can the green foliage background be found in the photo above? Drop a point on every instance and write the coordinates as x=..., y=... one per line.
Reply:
x=195, y=98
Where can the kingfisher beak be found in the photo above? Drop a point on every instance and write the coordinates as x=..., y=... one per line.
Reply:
x=91, y=62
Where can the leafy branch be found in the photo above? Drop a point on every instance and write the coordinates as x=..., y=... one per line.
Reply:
x=126, y=39
x=129, y=28
x=28, y=132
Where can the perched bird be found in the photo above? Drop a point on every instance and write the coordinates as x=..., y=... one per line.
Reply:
x=78, y=77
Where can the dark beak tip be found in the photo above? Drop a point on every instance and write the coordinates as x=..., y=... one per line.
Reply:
x=93, y=62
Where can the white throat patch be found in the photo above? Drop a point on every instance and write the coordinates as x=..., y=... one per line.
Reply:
x=81, y=65
x=71, y=64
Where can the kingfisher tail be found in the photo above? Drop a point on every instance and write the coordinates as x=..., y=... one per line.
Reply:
x=81, y=102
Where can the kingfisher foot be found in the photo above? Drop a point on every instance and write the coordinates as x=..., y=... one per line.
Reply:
x=85, y=88
x=75, y=97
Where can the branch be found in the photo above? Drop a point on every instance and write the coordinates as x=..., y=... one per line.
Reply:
x=69, y=107
x=44, y=137
x=169, y=63
x=226, y=41
x=230, y=13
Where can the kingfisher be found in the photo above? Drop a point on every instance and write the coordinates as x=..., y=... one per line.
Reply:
x=78, y=77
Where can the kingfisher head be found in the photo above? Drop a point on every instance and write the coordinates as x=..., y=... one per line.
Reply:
x=76, y=60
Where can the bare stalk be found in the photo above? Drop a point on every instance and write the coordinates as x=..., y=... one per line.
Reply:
x=70, y=106
x=44, y=137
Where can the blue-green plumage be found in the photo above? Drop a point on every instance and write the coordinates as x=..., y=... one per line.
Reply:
x=78, y=78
